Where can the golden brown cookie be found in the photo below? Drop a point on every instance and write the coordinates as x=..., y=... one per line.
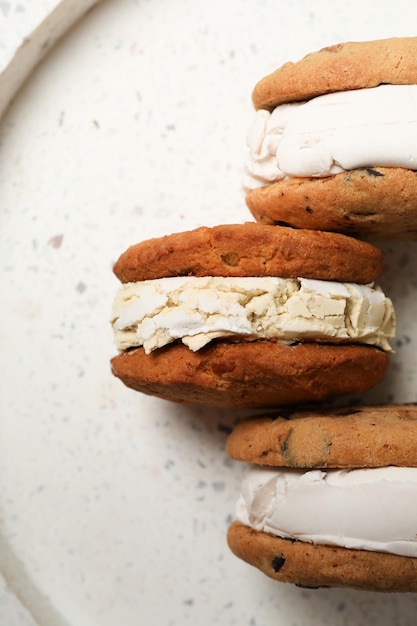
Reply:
x=251, y=249
x=233, y=371
x=350, y=65
x=372, y=203
x=309, y=565
x=329, y=438
x=251, y=374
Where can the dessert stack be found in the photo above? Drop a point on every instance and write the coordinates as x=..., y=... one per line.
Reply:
x=285, y=314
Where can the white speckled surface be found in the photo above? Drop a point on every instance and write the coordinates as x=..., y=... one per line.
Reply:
x=114, y=506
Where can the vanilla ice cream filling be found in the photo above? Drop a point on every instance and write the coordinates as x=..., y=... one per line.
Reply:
x=329, y=134
x=196, y=310
x=367, y=509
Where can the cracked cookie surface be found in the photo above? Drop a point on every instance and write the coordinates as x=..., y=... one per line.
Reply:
x=329, y=438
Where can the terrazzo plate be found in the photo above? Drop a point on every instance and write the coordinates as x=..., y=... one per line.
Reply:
x=114, y=506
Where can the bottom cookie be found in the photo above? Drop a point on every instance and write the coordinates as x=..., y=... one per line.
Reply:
x=374, y=203
x=252, y=374
x=314, y=566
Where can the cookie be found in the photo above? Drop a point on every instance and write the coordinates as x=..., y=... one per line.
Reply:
x=316, y=566
x=325, y=438
x=361, y=203
x=251, y=374
x=327, y=500
x=332, y=143
x=341, y=67
x=225, y=316
x=247, y=250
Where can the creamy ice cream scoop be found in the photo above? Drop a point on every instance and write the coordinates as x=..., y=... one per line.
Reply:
x=196, y=310
x=333, y=133
x=367, y=509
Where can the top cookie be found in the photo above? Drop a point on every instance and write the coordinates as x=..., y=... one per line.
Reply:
x=251, y=249
x=345, y=66
x=338, y=438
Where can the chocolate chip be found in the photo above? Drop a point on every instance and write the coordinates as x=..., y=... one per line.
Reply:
x=309, y=209
x=285, y=445
x=277, y=562
x=372, y=172
x=265, y=452
x=230, y=258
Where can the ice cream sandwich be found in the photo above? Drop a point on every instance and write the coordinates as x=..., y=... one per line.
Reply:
x=251, y=315
x=332, y=145
x=328, y=499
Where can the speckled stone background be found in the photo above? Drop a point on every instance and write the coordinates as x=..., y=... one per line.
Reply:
x=114, y=506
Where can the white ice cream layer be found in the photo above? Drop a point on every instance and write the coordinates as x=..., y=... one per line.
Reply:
x=370, y=509
x=333, y=133
x=196, y=310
